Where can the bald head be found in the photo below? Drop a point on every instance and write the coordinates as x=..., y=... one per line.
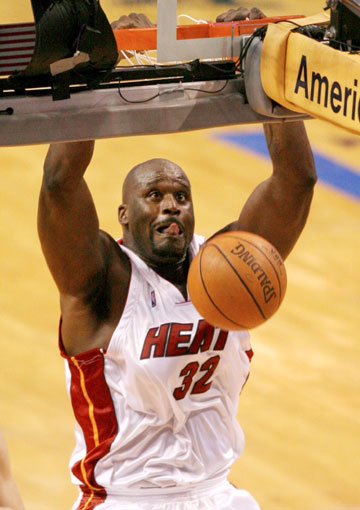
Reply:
x=151, y=170
x=157, y=214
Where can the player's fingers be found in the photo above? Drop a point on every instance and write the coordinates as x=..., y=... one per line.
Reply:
x=223, y=15
x=239, y=15
x=140, y=20
x=123, y=22
x=146, y=22
x=255, y=13
x=133, y=20
x=234, y=15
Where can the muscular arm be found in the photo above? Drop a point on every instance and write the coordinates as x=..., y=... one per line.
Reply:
x=81, y=258
x=278, y=208
x=67, y=221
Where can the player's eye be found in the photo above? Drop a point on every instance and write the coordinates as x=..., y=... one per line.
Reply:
x=153, y=194
x=181, y=196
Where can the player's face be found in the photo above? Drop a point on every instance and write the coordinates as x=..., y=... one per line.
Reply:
x=159, y=214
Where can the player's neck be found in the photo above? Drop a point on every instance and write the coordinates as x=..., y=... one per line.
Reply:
x=175, y=273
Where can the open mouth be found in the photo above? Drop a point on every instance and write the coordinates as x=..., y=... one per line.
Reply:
x=171, y=229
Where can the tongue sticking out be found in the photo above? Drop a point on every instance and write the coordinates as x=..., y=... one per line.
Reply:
x=172, y=229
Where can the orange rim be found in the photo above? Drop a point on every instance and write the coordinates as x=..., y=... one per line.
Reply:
x=145, y=38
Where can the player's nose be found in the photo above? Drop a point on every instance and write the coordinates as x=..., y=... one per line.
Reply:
x=169, y=204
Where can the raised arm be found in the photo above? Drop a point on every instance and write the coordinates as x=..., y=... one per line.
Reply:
x=67, y=221
x=85, y=263
x=278, y=207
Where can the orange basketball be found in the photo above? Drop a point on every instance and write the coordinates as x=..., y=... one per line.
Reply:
x=237, y=280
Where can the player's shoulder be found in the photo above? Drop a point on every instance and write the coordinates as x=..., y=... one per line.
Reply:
x=117, y=266
x=112, y=247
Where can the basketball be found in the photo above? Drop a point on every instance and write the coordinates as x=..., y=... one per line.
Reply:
x=237, y=280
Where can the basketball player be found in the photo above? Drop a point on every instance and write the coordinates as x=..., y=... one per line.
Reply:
x=9, y=495
x=154, y=388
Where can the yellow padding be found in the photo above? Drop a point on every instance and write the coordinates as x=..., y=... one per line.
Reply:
x=309, y=77
x=273, y=63
x=323, y=81
x=273, y=57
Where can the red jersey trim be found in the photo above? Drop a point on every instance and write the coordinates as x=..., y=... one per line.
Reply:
x=250, y=354
x=90, y=501
x=94, y=411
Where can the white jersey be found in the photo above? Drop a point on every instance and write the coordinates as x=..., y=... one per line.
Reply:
x=158, y=408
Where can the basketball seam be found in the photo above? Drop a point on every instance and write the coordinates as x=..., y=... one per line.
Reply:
x=267, y=258
x=211, y=299
x=242, y=281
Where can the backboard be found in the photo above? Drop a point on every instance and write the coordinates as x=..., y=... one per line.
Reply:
x=170, y=49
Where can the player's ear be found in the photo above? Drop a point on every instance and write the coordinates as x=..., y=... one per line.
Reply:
x=123, y=214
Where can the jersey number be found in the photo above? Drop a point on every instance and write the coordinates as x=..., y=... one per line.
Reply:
x=189, y=372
